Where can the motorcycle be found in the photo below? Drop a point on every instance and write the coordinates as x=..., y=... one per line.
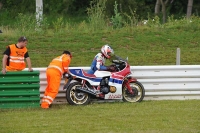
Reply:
x=118, y=84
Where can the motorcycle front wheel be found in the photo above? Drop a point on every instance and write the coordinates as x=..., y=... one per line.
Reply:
x=76, y=97
x=138, y=92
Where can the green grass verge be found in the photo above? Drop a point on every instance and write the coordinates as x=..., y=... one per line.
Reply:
x=118, y=117
x=143, y=46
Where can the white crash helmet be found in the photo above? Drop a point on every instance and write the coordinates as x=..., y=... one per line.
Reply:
x=107, y=51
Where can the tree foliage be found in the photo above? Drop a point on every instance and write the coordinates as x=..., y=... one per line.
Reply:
x=143, y=8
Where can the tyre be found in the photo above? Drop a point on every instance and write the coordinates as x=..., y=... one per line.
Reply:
x=138, y=92
x=76, y=97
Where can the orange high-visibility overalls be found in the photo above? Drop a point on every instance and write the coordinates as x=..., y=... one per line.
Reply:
x=16, y=58
x=55, y=70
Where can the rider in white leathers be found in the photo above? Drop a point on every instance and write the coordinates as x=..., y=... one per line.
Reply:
x=99, y=60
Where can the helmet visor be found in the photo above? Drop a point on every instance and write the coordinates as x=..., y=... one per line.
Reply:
x=110, y=53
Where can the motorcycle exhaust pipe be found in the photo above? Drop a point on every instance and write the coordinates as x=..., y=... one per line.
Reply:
x=86, y=91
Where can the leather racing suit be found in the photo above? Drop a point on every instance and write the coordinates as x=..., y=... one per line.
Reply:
x=98, y=64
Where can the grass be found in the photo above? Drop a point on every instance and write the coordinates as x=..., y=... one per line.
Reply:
x=143, y=46
x=118, y=117
x=154, y=45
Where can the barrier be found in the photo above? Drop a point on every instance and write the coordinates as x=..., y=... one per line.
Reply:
x=20, y=89
x=174, y=82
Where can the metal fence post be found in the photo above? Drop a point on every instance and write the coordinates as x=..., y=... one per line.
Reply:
x=178, y=56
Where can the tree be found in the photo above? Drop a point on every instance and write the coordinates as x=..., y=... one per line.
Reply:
x=189, y=8
x=157, y=7
x=1, y=5
x=164, y=10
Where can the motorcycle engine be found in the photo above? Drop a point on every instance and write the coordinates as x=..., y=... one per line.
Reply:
x=104, y=86
x=105, y=89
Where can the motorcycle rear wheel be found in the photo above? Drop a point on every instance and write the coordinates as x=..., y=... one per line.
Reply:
x=138, y=90
x=75, y=97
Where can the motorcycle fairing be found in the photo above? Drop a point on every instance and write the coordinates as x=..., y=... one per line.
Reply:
x=118, y=84
x=115, y=80
x=92, y=79
x=80, y=73
x=123, y=73
x=117, y=94
x=102, y=73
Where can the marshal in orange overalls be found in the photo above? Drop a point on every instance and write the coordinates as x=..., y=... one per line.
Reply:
x=55, y=70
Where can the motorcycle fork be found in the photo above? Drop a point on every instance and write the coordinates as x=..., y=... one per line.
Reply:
x=127, y=84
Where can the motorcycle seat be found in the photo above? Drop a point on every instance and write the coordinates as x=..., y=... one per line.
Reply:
x=88, y=75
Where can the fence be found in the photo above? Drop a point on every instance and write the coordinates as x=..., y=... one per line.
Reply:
x=169, y=82
x=20, y=89
x=174, y=82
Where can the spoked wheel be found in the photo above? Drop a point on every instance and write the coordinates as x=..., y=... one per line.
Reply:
x=138, y=92
x=75, y=97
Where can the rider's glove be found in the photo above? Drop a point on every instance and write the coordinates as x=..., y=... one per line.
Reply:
x=111, y=68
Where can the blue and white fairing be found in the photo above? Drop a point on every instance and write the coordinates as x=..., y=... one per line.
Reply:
x=80, y=73
x=95, y=80
x=112, y=82
x=92, y=79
